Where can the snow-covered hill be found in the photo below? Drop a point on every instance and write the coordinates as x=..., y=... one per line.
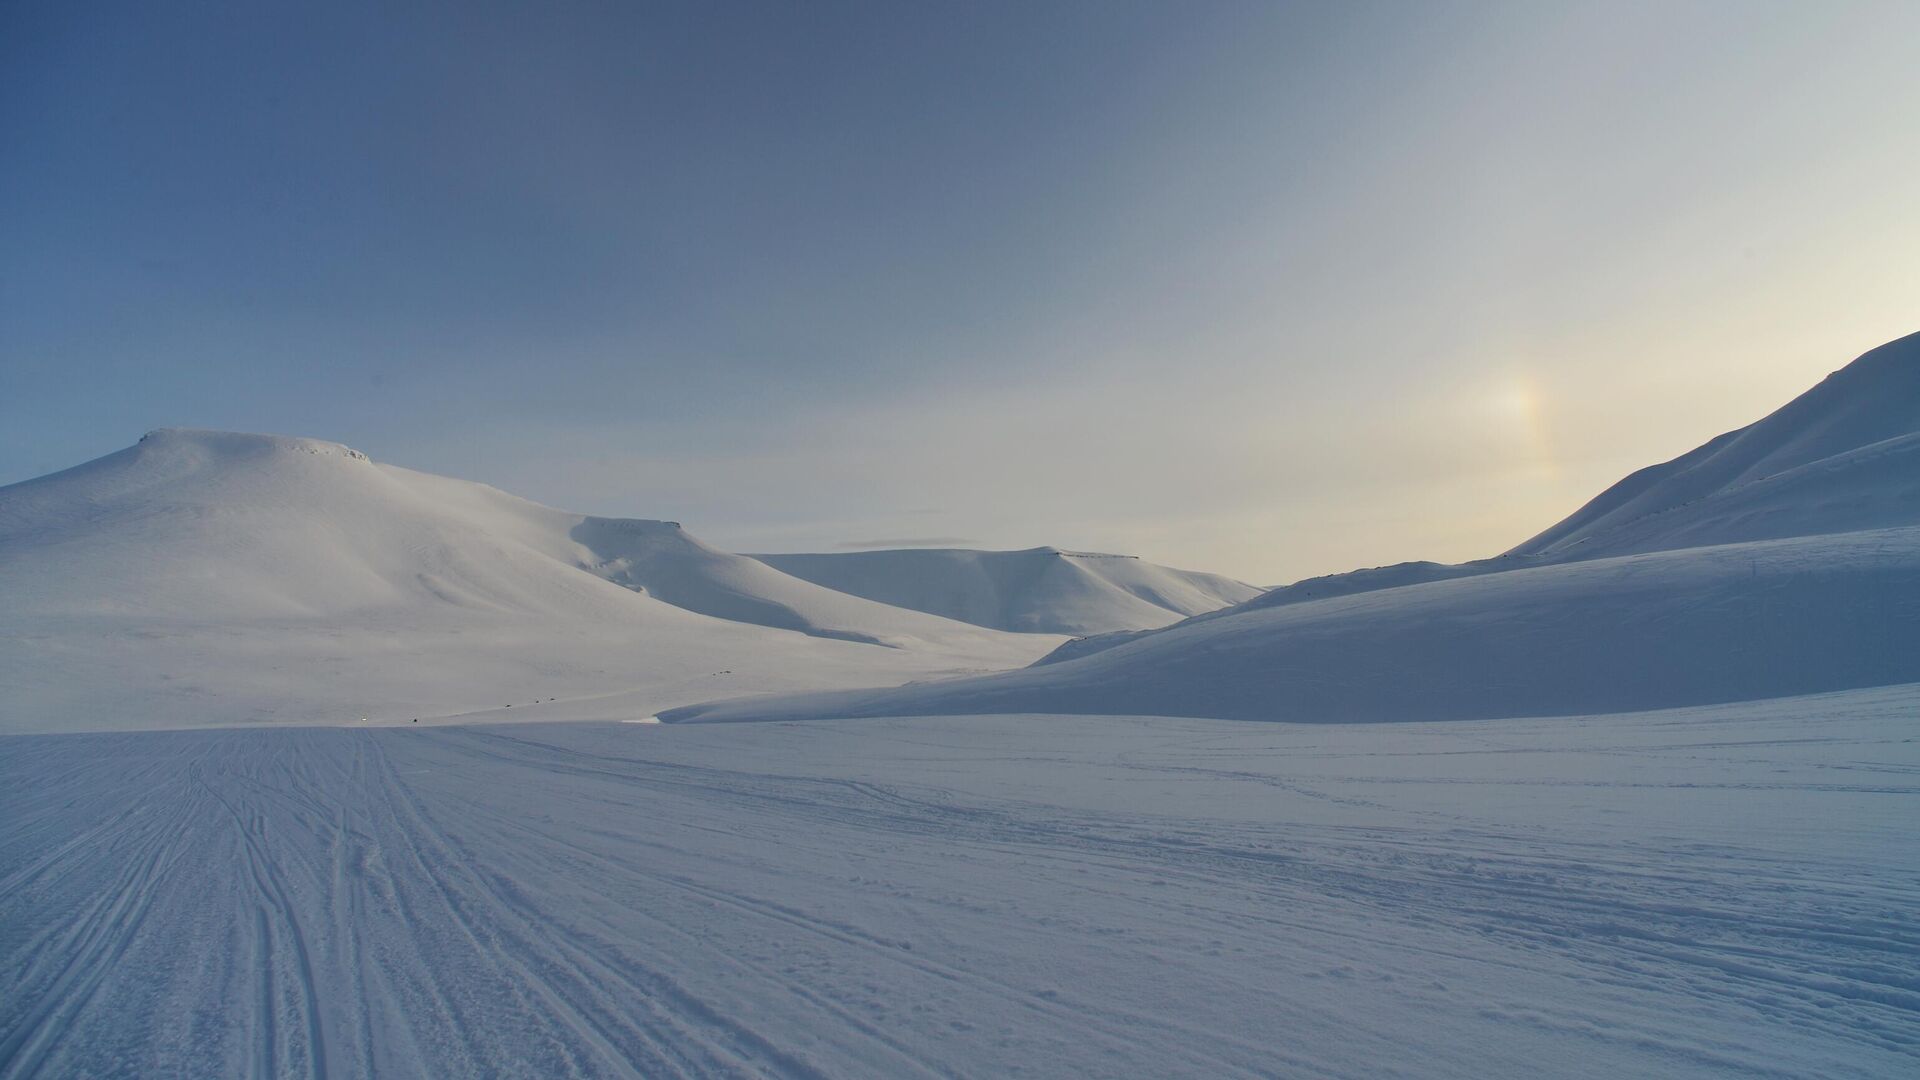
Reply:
x=1841, y=457
x=1779, y=559
x=1040, y=590
x=1844, y=455
x=1730, y=623
x=214, y=577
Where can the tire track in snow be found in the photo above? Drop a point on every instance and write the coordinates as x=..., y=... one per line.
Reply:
x=277, y=920
x=86, y=951
x=671, y=1003
x=1586, y=913
x=1124, y=1029
x=560, y=903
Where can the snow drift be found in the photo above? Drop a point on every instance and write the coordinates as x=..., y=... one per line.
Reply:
x=214, y=577
x=1779, y=559
x=1039, y=590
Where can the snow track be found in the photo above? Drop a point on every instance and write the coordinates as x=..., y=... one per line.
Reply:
x=1709, y=891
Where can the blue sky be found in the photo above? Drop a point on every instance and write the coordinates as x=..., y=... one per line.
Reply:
x=1269, y=289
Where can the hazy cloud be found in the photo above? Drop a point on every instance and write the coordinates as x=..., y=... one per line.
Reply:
x=1282, y=291
x=910, y=542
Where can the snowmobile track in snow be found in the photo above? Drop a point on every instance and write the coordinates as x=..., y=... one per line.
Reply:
x=1712, y=891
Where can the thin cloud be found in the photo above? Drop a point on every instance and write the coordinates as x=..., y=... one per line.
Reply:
x=910, y=541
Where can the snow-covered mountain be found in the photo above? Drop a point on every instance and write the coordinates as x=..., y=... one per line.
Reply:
x=1779, y=559
x=1039, y=590
x=214, y=577
x=1843, y=456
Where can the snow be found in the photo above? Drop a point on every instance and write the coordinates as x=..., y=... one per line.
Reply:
x=205, y=578
x=1708, y=892
x=1783, y=558
x=1843, y=457
x=1731, y=623
x=1039, y=590
x=1863, y=419
x=1638, y=798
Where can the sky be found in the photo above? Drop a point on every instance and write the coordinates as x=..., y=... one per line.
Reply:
x=1267, y=289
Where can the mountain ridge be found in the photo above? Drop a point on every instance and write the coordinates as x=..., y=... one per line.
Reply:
x=1032, y=590
x=219, y=577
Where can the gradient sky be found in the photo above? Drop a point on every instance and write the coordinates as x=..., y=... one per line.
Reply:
x=1267, y=289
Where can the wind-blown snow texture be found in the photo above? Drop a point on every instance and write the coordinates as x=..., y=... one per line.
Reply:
x=1726, y=891
x=1783, y=558
x=215, y=578
x=1040, y=590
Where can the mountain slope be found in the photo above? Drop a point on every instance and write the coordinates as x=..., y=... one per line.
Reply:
x=1840, y=456
x=212, y=577
x=1039, y=590
x=1779, y=559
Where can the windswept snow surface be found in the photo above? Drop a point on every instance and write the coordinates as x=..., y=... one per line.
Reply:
x=204, y=578
x=1724, y=891
x=1039, y=590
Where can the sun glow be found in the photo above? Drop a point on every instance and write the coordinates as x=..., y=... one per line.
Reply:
x=1522, y=406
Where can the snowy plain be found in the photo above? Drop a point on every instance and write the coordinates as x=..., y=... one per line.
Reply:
x=1715, y=891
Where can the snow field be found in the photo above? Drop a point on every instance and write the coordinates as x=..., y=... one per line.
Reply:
x=1714, y=892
